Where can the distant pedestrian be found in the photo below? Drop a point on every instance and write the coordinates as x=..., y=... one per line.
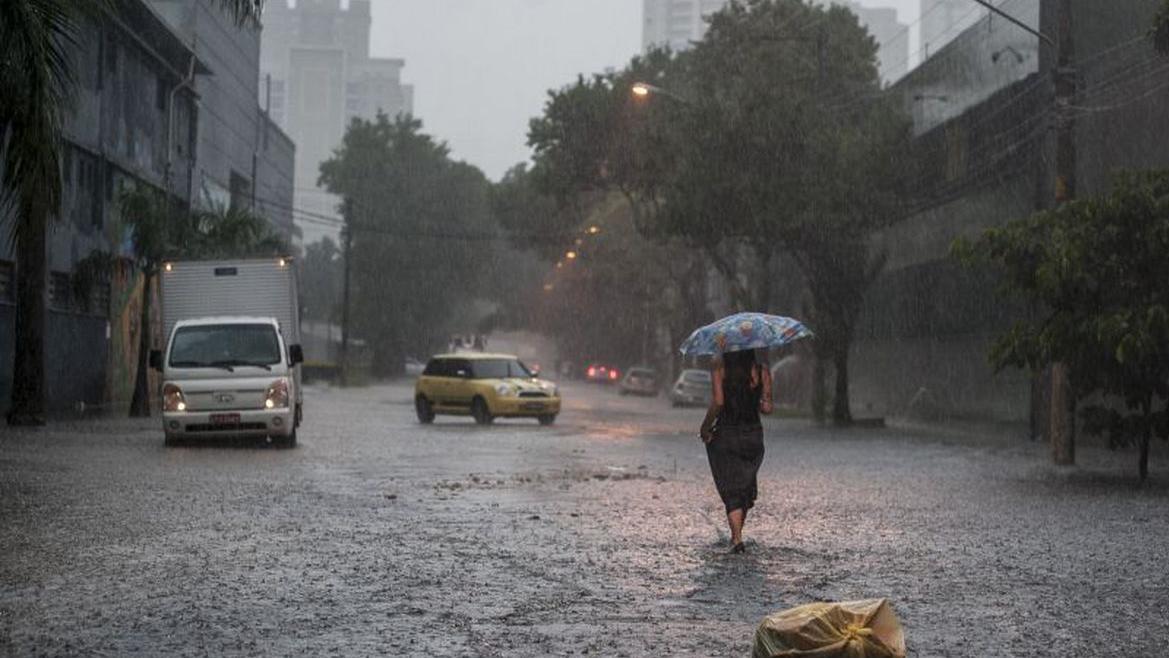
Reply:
x=733, y=434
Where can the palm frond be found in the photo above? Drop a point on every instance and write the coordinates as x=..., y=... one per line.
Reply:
x=245, y=12
x=36, y=83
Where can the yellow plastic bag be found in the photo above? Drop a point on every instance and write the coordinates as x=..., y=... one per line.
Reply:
x=851, y=629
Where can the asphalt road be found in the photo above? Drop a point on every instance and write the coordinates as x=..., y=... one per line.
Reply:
x=602, y=535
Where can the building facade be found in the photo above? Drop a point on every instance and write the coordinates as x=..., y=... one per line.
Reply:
x=150, y=109
x=984, y=110
x=242, y=157
x=131, y=123
x=317, y=76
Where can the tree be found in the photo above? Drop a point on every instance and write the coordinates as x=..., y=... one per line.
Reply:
x=37, y=84
x=422, y=230
x=160, y=231
x=1096, y=268
x=321, y=275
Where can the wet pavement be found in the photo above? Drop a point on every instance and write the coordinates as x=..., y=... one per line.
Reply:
x=602, y=535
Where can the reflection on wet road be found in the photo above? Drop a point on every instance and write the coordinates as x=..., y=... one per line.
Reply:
x=602, y=534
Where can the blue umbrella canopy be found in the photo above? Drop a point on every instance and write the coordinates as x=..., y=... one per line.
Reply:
x=744, y=331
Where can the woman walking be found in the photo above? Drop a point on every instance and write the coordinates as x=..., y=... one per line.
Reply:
x=733, y=434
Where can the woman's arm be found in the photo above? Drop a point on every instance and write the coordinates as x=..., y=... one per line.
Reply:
x=716, y=405
x=766, y=406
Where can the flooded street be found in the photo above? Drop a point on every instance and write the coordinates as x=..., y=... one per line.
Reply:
x=601, y=535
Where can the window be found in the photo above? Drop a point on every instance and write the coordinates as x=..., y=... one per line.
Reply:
x=7, y=282
x=225, y=346
x=160, y=94
x=60, y=291
x=500, y=369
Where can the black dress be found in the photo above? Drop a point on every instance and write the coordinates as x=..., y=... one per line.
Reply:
x=736, y=451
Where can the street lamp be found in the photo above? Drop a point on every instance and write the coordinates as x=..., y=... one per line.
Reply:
x=570, y=255
x=645, y=90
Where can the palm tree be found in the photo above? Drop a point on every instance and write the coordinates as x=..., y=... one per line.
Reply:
x=36, y=88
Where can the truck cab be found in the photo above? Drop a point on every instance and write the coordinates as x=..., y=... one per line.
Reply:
x=229, y=377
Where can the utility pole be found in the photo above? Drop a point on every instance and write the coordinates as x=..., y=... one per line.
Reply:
x=1061, y=399
x=345, y=306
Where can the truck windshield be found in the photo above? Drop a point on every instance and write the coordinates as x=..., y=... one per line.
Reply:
x=499, y=369
x=225, y=346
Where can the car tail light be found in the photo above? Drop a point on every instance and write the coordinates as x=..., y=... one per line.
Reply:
x=173, y=399
x=612, y=374
x=592, y=372
x=277, y=395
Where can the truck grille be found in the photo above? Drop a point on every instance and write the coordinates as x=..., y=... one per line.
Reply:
x=205, y=427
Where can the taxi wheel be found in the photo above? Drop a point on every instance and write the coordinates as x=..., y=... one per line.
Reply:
x=424, y=410
x=547, y=419
x=480, y=412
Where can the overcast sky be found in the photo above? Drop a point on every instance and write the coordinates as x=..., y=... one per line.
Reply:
x=481, y=68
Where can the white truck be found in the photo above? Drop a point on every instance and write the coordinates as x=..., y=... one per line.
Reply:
x=231, y=367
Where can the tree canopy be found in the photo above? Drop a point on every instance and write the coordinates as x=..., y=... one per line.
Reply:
x=421, y=229
x=1096, y=268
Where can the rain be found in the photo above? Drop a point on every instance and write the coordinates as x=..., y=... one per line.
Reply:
x=607, y=327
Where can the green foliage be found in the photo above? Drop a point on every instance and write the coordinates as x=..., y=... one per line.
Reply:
x=321, y=278
x=161, y=230
x=36, y=83
x=768, y=139
x=422, y=234
x=1096, y=267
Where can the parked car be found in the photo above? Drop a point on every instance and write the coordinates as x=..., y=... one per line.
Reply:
x=691, y=389
x=640, y=381
x=485, y=387
x=602, y=374
x=413, y=366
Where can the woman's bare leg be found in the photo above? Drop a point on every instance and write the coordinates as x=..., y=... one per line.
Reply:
x=735, y=519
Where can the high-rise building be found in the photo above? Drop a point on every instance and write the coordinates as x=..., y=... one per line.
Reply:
x=942, y=20
x=317, y=75
x=678, y=23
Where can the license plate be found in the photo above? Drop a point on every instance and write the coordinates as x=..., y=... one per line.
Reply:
x=225, y=419
x=533, y=406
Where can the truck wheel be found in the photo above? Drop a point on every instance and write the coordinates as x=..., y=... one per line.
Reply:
x=424, y=410
x=480, y=412
x=547, y=419
x=286, y=441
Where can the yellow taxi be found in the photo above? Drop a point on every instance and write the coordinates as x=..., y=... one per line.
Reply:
x=485, y=387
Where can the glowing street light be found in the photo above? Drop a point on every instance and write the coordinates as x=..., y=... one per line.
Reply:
x=645, y=89
x=593, y=230
x=570, y=255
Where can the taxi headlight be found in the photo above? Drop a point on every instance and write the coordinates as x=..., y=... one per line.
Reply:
x=504, y=390
x=277, y=395
x=173, y=399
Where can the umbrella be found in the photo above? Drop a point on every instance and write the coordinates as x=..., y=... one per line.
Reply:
x=744, y=331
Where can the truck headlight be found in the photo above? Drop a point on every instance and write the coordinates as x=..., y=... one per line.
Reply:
x=277, y=395
x=172, y=398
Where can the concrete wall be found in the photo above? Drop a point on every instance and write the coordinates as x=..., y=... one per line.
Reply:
x=984, y=154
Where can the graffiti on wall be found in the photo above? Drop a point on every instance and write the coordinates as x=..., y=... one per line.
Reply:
x=125, y=317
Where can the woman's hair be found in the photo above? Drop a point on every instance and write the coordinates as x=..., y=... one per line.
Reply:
x=738, y=366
